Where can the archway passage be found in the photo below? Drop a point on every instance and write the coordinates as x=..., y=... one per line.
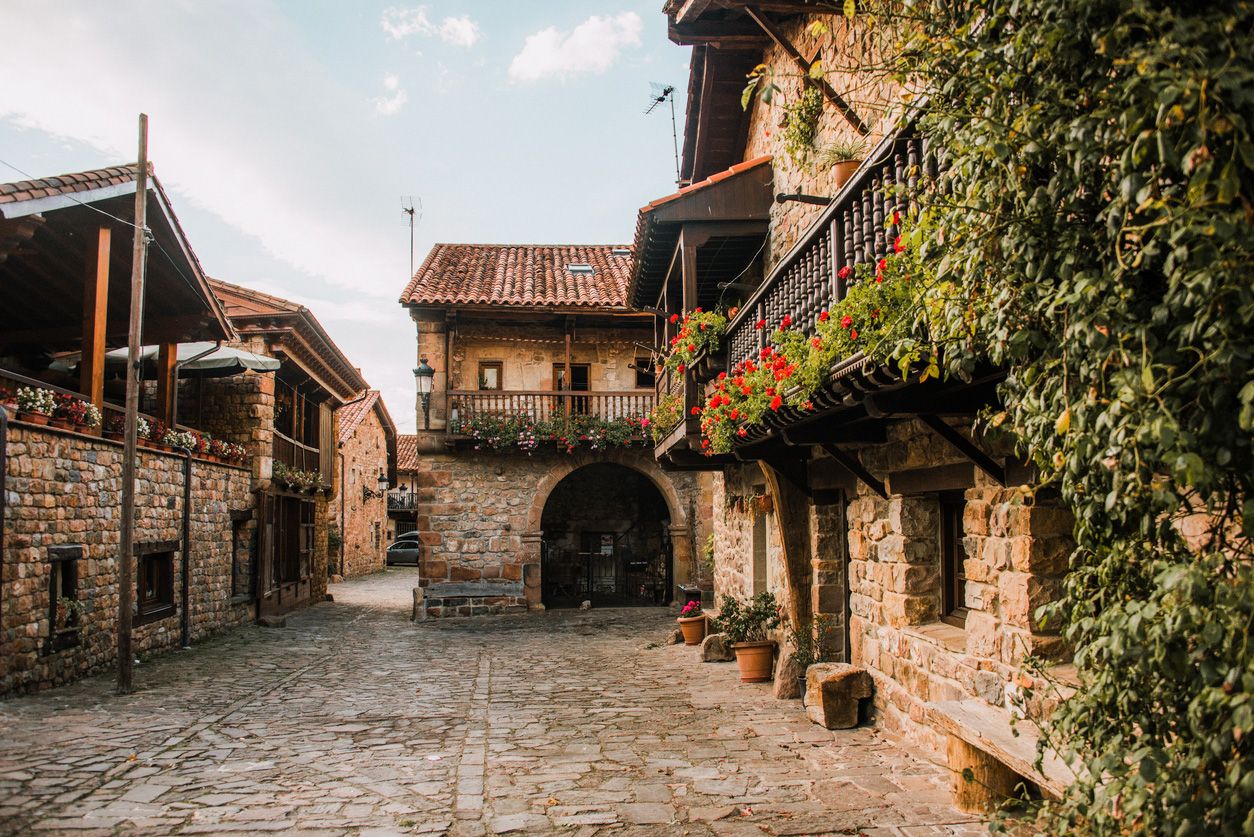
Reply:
x=606, y=540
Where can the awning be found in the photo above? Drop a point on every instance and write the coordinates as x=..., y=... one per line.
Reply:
x=196, y=360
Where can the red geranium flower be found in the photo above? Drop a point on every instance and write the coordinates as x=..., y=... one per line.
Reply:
x=824, y=317
x=846, y=321
x=845, y=272
x=853, y=335
x=786, y=322
x=816, y=343
x=765, y=353
x=742, y=432
x=809, y=405
x=897, y=245
x=692, y=347
x=674, y=318
x=735, y=414
x=761, y=324
x=896, y=219
x=696, y=411
x=681, y=368
x=776, y=402
x=722, y=376
x=746, y=391
x=697, y=310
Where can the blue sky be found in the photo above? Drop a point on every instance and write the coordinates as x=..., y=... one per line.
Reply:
x=288, y=133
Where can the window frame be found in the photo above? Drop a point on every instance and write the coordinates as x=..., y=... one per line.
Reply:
x=644, y=368
x=497, y=365
x=161, y=606
x=953, y=554
x=62, y=567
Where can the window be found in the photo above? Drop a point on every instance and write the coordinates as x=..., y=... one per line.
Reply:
x=644, y=373
x=580, y=375
x=241, y=555
x=64, y=607
x=490, y=376
x=155, y=582
x=953, y=558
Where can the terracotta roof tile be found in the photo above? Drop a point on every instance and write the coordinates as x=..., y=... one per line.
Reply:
x=407, y=452
x=352, y=414
x=521, y=274
x=25, y=190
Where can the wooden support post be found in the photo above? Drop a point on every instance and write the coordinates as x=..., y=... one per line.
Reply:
x=167, y=381
x=776, y=34
x=688, y=269
x=566, y=383
x=95, y=317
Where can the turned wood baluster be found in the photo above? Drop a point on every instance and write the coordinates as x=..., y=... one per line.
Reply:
x=868, y=225
x=912, y=176
x=877, y=214
x=858, y=254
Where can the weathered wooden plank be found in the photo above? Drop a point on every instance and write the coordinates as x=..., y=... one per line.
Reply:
x=473, y=589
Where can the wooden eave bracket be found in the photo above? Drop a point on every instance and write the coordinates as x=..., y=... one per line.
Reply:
x=853, y=466
x=966, y=447
x=792, y=470
x=776, y=34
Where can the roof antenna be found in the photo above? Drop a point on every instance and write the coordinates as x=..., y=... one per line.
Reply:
x=662, y=93
x=415, y=214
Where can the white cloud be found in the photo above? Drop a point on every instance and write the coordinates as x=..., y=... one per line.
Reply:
x=591, y=47
x=389, y=105
x=401, y=23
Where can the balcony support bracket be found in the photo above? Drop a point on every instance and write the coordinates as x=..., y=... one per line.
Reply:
x=966, y=447
x=853, y=466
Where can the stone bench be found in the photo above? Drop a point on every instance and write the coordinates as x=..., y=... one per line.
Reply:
x=836, y=694
x=1000, y=762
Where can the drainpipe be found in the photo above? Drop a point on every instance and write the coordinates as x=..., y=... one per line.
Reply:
x=343, y=494
x=186, y=620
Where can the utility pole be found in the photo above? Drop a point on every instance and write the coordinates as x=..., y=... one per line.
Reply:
x=139, y=257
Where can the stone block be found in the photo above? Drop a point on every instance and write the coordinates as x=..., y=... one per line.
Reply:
x=788, y=673
x=420, y=609
x=900, y=610
x=514, y=572
x=1021, y=594
x=834, y=693
x=460, y=573
x=716, y=649
x=1047, y=555
x=983, y=639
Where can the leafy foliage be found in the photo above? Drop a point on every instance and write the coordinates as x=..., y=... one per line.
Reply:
x=699, y=332
x=666, y=413
x=1098, y=237
x=518, y=431
x=748, y=621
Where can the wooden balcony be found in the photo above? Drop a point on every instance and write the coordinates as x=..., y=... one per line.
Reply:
x=296, y=455
x=545, y=406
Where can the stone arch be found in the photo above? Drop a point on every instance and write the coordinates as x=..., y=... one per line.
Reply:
x=683, y=543
x=644, y=466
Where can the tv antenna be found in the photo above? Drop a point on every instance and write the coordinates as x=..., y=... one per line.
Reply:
x=662, y=93
x=414, y=211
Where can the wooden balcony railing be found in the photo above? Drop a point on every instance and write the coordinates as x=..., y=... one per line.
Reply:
x=854, y=228
x=296, y=455
x=541, y=405
x=402, y=500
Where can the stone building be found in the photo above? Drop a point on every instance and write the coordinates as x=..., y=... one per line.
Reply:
x=403, y=498
x=924, y=543
x=532, y=482
x=366, y=466
x=286, y=419
x=65, y=263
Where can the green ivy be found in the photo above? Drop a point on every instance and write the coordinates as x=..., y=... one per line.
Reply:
x=1100, y=233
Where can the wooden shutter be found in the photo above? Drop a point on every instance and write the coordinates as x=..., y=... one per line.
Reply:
x=326, y=442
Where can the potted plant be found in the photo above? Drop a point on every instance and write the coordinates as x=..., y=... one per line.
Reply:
x=808, y=640
x=156, y=434
x=844, y=157
x=142, y=431
x=69, y=613
x=67, y=411
x=115, y=427
x=745, y=624
x=35, y=404
x=692, y=622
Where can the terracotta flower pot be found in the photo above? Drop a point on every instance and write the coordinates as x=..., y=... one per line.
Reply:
x=844, y=170
x=755, y=659
x=34, y=417
x=64, y=424
x=693, y=628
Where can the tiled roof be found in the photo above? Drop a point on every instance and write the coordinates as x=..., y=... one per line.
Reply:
x=521, y=274
x=407, y=452
x=46, y=187
x=354, y=413
x=709, y=181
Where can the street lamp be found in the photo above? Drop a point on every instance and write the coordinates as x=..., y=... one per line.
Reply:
x=425, y=377
x=367, y=494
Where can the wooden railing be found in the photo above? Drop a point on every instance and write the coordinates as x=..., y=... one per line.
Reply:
x=296, y=455
x=12, y=382
x=855, y=228
x=541, y=405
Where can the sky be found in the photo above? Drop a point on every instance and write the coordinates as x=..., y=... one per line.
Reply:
x=290, y=134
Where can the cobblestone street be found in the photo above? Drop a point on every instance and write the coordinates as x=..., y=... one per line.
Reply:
x=354, y=720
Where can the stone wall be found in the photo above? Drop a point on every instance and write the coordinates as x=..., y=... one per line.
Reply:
x=64, y=488
x=528, y=356
x=363, y=528
x=479, y=516
x=873, y=98
x=1016, y=548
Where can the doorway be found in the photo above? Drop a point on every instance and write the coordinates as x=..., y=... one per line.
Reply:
x=606, y=540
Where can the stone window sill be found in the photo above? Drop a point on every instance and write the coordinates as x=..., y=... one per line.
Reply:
x=155, y=615
x=942, y=634
x=241, y=599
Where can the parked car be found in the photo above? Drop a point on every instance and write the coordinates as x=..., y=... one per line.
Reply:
x=404, y=550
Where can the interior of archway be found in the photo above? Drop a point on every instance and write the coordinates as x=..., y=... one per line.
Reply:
x=606, y=540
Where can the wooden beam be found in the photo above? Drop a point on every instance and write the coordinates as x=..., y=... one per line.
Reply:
x=719, y=34
x=854, y=466
x=966, y=447
x=688, y=243
x=777, y=35
x=691, y=10
x=95, y=316
x=167, y=381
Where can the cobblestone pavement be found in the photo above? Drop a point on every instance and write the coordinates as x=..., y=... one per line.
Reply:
x=353, y=720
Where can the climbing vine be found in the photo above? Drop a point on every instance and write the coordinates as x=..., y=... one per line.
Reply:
x=1099, y=228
